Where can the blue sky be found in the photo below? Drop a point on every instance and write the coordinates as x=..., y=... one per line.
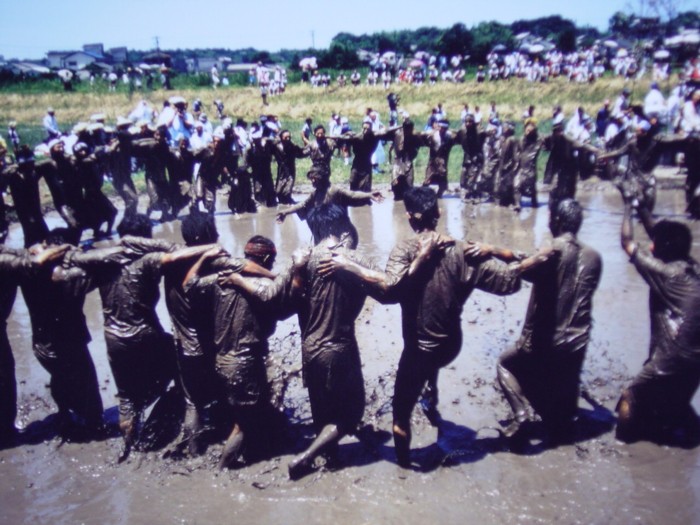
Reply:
x=29, y=28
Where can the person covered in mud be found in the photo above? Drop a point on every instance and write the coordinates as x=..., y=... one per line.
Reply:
x=212, y=164
x=542, y=373
x=260, y=154
x=155, y=153
x=320, y=151
x=6, y=167
x=643, y=152
x=64, y=184
x=23, y=180
x=472, y=142
x=493, y=142
x=286, y=154
x=431, y=277
x=195, y=365
x=98, y=208
x=237, y=330
x=60, y=336
x=439, y=141
x=405, y=144
x=141, y=354
x=181, y=165
x=120, y=162
x=563, y=163
x=525, y=183
x=363, y=146
x=656, y=406
x=14, y=264
x=326, y=193
x=327, y=312
x=507, y=167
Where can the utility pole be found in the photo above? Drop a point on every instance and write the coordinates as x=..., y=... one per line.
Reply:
x=157, y=44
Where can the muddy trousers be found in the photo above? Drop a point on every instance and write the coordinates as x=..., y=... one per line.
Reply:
x=73, y=382
x=8, y=389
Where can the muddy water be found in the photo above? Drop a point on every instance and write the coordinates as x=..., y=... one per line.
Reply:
x=466, y=475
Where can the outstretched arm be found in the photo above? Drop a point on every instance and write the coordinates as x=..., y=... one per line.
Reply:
x=627, y=231
x=190, y=252
x=210, y=253
x=477, y=250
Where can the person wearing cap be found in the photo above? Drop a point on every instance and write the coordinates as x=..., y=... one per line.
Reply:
x=51, y=125
x=439, y=141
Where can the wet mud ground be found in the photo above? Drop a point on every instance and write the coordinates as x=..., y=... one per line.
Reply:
x=464, y=473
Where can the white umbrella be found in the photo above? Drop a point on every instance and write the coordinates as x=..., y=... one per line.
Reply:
x=64, y=74
x=611, y=44
x=662, y=54
x=621, y=53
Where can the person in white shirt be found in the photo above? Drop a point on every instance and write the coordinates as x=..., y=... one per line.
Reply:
x=51, y=125
x=655, y=103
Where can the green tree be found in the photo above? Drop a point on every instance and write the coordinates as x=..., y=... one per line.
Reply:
x=457, y=40
x=486, y=35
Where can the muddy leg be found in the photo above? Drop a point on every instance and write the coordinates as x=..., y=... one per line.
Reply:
x=402, y=443
x=329, y=436
x=232, y=448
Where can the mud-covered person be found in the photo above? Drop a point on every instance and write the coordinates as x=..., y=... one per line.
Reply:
x=195, y=365
x=656, y=406
x=238, y=326
x=141, y=354
x=326, y=193
x=431, y=277
x=542, y=373
x=60, y=337
x=14, y=265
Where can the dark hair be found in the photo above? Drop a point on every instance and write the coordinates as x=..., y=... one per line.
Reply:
x=568, y=217
x=199, y=228
x=320, y=126
x=672, y=240
x=327, y=220
x=136, y=224
x=421, y=204
x=59, y=236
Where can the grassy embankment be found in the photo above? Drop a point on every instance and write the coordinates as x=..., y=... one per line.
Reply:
x=301, y=101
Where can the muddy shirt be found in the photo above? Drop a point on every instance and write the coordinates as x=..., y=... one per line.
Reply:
x=439, y=147
x=558, y=316
x=331, y=305
x=320, y=154
x=237, y=323
x=432, y=299
x=56, y=307
x=673, y=287
x=129, y=291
